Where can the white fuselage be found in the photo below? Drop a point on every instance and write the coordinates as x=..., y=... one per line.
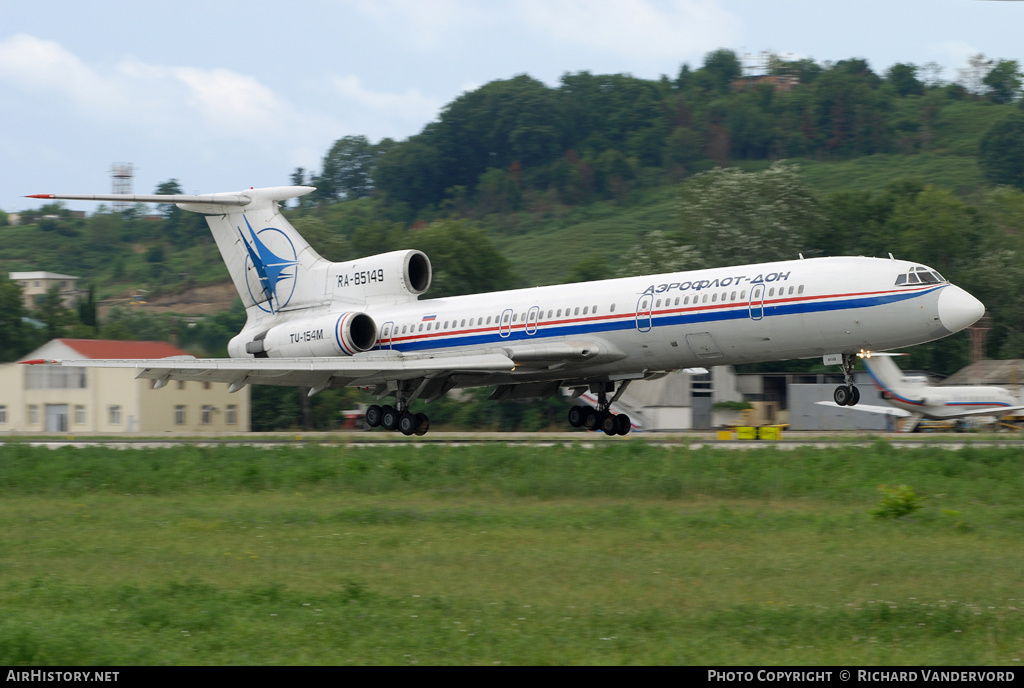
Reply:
x=629, y=327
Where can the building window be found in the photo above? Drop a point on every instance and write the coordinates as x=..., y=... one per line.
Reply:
x=231, y=415
x=3, y=415
x=181, y=384
x=79, y=415
x=179, y=415
x=114, y=413
x=207, y=414
x=54, y=377
x=33, y=415
x=206, y=385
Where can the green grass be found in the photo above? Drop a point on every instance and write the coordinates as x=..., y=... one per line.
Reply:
x=620, y=554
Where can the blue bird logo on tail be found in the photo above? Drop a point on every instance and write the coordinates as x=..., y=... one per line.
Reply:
x=270, y=268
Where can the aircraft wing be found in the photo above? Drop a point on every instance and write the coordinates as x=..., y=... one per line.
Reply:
x=884, y=410
x=370, y=368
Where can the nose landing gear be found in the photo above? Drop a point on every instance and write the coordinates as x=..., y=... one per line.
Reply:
x=848, y=394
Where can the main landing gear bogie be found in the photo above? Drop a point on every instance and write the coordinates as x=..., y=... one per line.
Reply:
x=591, y=419
x=391, y=418
x=601, y=418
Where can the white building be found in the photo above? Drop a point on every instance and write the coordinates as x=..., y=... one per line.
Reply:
x=34, y=286
x=63, y=399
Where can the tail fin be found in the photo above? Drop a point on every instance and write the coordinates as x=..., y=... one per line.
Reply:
x=890, y=379
x=272, y=266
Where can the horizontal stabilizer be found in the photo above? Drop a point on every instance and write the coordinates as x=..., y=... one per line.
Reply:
x=236, y=198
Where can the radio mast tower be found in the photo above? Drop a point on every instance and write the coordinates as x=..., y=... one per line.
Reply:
x=121, y=175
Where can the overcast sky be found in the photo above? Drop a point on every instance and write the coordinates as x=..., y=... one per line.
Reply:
x=225, y=95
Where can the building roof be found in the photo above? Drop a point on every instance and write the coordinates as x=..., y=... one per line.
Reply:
x=989, y=372
x=39, y=275
x=113, y=348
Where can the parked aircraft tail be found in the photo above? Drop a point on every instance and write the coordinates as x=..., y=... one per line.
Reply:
x=893, y=381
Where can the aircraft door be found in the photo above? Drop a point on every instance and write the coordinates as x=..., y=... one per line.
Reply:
x=644, y=321
x=387, y=335
x=505, y=324
x=757, y=302
x=532, y=318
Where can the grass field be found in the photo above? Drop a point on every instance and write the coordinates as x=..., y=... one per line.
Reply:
x=621, y=554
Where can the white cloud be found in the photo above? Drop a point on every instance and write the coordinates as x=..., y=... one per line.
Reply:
x=428, y=25
x=411, y=105
x=139, y=95
x=646, y=29
x=40, y=66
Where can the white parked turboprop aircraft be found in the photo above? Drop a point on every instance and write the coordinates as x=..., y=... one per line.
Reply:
x=316, y=324
x=912, y=398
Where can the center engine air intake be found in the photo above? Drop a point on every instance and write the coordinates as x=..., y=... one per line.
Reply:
x=342, y=334
x=395, y=277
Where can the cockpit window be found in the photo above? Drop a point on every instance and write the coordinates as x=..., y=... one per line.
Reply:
x=919, y=275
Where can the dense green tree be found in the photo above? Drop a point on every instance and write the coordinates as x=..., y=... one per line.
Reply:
x=348, y=169
x=463, y=259
x=502, y=122
x=329, y=243
x=1001, y=153
x=412, y=171
x=731, y=216
x=497, y=191
x=180, y=226
x=721, y=68
x=936, y=228
x=15, y=337
x=659, y=253
x=1004, y=82
x=51, y=311
x=87, y=308
x=134, y=324
x=903, y=78
x=378, y=237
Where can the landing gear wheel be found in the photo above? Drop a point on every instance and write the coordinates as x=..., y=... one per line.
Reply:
x=389, y=418
x=373, y=416
x=591, y=419
x=842, y=395
x=624, y=424
x=854, y=396
x=422, y=424
x=576, y=416
x=407, y=423
x=610, y=424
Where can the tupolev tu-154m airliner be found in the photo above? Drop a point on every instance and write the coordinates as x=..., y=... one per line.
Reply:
x=316, y=324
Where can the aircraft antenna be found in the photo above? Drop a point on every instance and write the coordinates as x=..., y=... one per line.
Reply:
x=121, y=176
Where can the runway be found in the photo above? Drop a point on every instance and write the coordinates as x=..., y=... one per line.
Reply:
x=370, y=439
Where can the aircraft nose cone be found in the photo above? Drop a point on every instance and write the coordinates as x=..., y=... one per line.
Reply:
x=958, y=309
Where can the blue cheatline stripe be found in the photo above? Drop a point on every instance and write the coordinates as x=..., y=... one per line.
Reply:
x=739, y=311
